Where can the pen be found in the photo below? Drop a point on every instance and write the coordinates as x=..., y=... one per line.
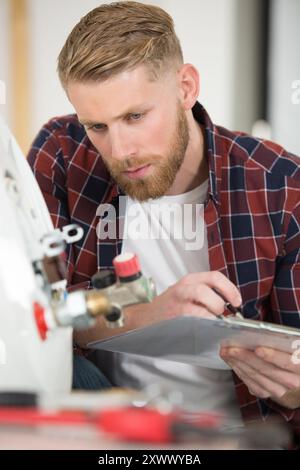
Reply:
x=235, y=311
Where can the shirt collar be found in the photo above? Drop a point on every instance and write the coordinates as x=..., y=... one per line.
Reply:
x=214, y=160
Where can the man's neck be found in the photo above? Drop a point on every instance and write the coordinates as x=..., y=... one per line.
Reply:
x=194, y=169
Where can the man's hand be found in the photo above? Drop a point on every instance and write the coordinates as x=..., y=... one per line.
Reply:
x=194, y=295
x=268, y=373
x=191, y=295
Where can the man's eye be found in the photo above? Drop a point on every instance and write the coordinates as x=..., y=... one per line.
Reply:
x=135, y=116
x=97, y=127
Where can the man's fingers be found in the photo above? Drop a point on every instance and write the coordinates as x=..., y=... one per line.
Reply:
x=274, y=389
x=279, y=358
x=253, y=387
x=274, y=372
x=203, y=296
x=219, y=282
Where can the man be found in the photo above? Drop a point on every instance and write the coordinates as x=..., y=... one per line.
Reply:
x=140, y=131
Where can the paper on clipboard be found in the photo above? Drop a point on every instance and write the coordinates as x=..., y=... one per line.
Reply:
x=197, y=341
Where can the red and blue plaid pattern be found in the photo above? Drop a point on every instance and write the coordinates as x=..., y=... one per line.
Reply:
x=252, y=214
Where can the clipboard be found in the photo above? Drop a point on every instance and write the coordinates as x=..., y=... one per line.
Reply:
x=197, y=341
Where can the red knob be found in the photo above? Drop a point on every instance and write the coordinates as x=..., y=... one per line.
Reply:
x=126, y=265
x=39, y=315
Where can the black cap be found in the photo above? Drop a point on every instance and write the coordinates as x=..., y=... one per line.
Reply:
x=103, y=279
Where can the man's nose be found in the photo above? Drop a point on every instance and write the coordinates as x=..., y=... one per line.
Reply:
x=122, y=145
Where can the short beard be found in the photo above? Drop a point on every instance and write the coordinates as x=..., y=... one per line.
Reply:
x=164, y=170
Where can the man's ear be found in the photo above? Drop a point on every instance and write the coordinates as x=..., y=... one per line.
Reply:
x=189, y=85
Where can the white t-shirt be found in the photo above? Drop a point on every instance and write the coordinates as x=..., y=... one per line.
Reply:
x=177, y=245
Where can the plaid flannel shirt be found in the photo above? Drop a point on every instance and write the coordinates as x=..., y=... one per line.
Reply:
x=252, y=213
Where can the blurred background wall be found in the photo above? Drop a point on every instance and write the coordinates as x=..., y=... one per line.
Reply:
x=247, y=53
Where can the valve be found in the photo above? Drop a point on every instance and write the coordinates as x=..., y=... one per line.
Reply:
x=127, y=286
x=112, y=292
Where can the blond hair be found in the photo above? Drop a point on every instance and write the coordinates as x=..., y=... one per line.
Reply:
x=118, y=36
